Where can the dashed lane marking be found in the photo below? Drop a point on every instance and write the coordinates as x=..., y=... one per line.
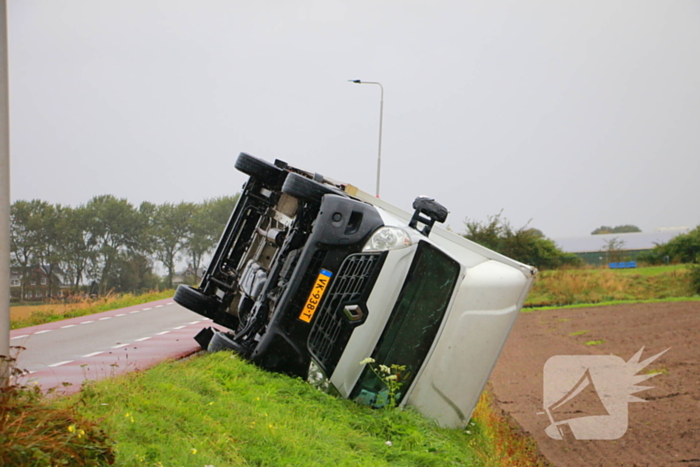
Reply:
x=87, y=322
x=135, y=311
x=120, y=314
x=43, y=332
x=159, y=306
x=92, y=354
x=146, y=309
x=179, y=327
x=161, y=333
x=19, y=337
x=106, y=317
x=120, y=345
x=67, y=326
x=142, y=339
x=61, y=363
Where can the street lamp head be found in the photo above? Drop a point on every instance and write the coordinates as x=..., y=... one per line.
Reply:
x=356, y=81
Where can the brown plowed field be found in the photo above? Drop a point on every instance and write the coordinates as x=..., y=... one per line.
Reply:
x=664, y=431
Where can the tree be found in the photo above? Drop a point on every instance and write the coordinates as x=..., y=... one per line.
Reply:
x=614, y=248
x=28, y=221
x=78, y=242
x=628, y=228
x=116, y=227
x=207, y=223
x=169, y=229
x=527, y=245
x=131, y=272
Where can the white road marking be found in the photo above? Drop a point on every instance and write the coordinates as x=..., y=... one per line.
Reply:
x=92, y=354
x=19, y=337
x=179, y=327
x=159, y=306
x=120, y=345
x=161, y=333
x=106, y=317
x=195, y=322
x=121, y=314
x=87, y=322
x=170, y=303
x=142, y=339
x=146, y=309
x=135, y=311
x=67, y=326
x=61, y=363
x=43, y=332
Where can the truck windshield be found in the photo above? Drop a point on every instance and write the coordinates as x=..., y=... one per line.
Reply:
x=412, y=326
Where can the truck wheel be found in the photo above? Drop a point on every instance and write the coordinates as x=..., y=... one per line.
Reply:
x=194, y=300
x=223, y=341
x=270, y=175
x=306, y=189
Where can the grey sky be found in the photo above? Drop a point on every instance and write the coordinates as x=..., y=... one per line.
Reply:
x=572, y=114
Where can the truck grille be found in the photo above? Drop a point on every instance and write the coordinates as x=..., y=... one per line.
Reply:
x=331, y=330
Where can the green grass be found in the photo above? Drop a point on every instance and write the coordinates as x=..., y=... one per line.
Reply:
x=578, y=333
x=60, y=311
x=653, y=270
x=578, y=286
x=598, y=342
x=217, y=410
x=612, y=302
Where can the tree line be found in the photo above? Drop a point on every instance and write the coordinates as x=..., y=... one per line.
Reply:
x=113, y=244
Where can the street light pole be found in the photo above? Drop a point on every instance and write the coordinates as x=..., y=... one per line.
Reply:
x=381, y=119
x=4, y=202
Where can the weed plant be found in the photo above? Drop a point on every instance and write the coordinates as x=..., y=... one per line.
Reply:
x=508, y=446
x=36, y=431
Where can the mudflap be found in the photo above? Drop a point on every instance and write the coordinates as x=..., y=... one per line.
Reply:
x=203, y=337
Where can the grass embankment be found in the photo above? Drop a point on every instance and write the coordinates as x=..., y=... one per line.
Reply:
x=31, y=315
x=217, y=410
x=602, y=286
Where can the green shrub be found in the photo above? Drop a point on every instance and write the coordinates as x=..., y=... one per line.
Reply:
x=695, y=277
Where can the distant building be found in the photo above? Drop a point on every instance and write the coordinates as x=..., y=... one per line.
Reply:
x=40, y=283
x=593, y=249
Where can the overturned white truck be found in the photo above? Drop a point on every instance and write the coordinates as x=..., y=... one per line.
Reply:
x=312, y=270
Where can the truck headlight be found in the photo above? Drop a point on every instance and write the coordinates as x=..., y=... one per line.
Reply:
x=388, y=238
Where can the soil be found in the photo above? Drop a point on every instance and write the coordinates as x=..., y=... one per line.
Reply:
x=663, y=431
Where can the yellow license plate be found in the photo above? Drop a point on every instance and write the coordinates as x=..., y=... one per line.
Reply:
x=316, y=295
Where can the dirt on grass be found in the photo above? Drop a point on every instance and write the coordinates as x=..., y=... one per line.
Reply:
x=663, y=431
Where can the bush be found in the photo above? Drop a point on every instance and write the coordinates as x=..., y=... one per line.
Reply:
x=526, y=244
x=695, y=277
x=684, y=248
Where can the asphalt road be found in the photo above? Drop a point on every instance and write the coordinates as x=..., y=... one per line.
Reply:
x=65, y=353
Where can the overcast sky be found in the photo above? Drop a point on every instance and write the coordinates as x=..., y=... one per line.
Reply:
x=572, y=114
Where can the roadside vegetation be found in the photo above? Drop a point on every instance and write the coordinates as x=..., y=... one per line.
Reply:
x=33, y=315
x=39, y=431
x=218, y=410
x=563, y=287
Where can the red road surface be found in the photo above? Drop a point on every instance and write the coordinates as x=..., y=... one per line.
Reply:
x=66, y=353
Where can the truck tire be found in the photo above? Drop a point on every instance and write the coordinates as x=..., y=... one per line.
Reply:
x=223, y=341
x=306, y=189
x=269, y=175
x=194, y=300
